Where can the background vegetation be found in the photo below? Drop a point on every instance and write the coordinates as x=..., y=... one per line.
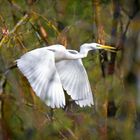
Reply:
x=114, y=77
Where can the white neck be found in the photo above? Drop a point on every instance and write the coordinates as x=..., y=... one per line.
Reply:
x=84, y=49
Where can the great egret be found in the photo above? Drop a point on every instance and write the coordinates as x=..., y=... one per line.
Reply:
x=50, y=69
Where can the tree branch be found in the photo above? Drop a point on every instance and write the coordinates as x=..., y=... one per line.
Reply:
x=21, y=21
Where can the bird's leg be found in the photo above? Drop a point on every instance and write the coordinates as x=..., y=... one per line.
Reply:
x=51, y=114
x=68, y=105
x=69, y=102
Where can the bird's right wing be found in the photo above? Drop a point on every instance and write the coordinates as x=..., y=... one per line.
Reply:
x=38, y=66
x=75, y=81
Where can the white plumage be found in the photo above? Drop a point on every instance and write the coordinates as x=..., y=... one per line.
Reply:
x=50, y=69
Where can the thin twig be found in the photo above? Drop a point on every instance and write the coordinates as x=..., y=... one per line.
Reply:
x=19, y=9
x=10, y=68
x=21, y=21
x=131, y=17
x=35, y=108
x=48, y=22
x=37, y=33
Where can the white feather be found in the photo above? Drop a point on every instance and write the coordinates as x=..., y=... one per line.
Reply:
x=39, y=68
x=75, y=81
x=48, y=69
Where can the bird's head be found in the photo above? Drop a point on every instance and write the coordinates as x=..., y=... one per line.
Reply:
x=96, y=46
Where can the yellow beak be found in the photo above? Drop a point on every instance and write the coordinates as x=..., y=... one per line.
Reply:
x=108, y=48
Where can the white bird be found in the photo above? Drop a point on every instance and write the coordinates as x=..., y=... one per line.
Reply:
x=51, y=69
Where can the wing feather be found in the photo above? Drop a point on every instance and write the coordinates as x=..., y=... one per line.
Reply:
x=75, y=81
x=38, y=66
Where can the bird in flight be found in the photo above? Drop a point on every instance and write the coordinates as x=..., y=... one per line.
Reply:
x=51, y=69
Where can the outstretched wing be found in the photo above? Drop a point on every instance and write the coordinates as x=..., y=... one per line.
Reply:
x=38, y=66
x=75, y=81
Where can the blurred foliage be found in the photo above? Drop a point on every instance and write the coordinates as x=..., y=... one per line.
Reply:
x=30, y=24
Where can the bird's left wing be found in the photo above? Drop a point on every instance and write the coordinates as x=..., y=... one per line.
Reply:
x=75, y=81
x=38, y=66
